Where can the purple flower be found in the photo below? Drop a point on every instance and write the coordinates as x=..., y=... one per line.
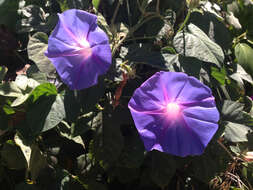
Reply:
x=79, y=49
x=174, y=113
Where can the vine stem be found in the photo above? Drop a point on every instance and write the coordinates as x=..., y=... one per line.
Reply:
x=115, y=12
x=185, y=21
x=132, y=30
x=238, y=38
x=222, y=145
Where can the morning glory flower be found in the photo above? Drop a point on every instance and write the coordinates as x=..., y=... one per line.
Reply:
x=79, y=49
x=174, y=113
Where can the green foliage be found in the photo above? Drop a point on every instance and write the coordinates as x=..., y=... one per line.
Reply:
x=96, y=3
x=238, y=123
x=12, y=156
x=36, y=48
x=244, y=56
x=3, y=71
x=73, y=4
x=213, y=28
x=8, y=13
x=45, y=109
x=33, y=18
x=86, y=139
x=195, y=43
x=161, y=168
x=107, y=143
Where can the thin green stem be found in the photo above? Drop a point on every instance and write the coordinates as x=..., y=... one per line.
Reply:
x=185, y=21
x=238, y=38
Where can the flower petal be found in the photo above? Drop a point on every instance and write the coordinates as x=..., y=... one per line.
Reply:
x=149, y=127
x=147, y=97
x=97, y=36
x=186, y=133
x=193, y=91
x=79, y=72
x=179, y=140
x=73, y=27
x=79, y=60
x=171, y=84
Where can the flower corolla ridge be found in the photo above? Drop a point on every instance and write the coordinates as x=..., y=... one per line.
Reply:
x=174, y=113
x=79, y=49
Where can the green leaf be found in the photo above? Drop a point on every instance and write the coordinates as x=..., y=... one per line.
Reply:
x=36, y=48
x=89, y=97
x=35, y=19
x=232, y=20
x=13, y=156
x=193, y=42
x=26, y=85
x=8, y=13
x=132, y=154
x=34, y=73
x=45, y=110
x=74, y=4
x=219, y=75
x=243, y=10
x=235, y=132
x=72, y=105
x=82, y=101
x=166, y=61
x=37, y=162
x=214, y=28
x=108, y=142
x=46, y=89
x=63, y=5
x=210, y=164
x=240, y=74
x=85, y=122
x=8, y=110
x=244, y=56
x=161, y=167
x=237, y=122
x=20, y=88
x=159, y=28
x=10, y=89
x=3, y=71
x=53, y=117
x=96, y=3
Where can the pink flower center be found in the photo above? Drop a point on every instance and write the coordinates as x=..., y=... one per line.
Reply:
x=86, y=50
x=173, y=110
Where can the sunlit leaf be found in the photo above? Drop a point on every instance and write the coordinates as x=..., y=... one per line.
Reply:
x=237, y=122
x=96, y=3
x=45, y=110
x=193, y=42
x=36, y=48
x=244, y=55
